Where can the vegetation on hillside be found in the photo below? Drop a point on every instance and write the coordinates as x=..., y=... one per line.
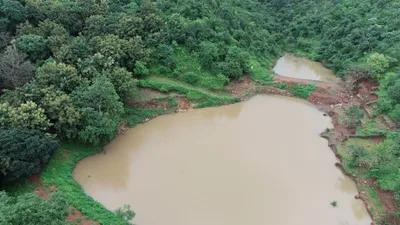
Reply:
x=67, y=67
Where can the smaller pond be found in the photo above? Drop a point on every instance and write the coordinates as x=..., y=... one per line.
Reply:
x=290, y=65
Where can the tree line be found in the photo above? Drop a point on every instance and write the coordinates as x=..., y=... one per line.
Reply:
x=66, y=67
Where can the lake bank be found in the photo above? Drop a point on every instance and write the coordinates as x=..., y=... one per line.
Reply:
x=325, y=98
x=265, y=154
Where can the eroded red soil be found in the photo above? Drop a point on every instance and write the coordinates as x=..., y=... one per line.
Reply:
x=74, y=214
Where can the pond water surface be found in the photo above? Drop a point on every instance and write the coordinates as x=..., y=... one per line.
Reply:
x=290, y=65
x=251, y=163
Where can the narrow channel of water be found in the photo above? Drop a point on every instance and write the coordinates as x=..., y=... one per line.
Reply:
x=290, y=65
x=251, y=163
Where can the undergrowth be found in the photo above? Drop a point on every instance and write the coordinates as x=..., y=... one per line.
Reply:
x=134, y=116
x=299, y=90
x=189, y=69
x=59, y=172
x=260, y=73
x=369, y=128
x=204, y=98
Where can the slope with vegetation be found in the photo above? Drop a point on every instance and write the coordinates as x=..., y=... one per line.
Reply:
x=69, y=69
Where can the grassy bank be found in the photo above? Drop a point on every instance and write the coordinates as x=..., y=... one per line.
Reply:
x=203, y=98
x=58, y=172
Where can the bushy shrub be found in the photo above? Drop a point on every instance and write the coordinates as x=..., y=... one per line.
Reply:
x=30, y=209
x=24, y=150
x=126, y=213
x=303, y=91
x=190, y=77
x=378, y=64
x=354, y=115
x=357, y=153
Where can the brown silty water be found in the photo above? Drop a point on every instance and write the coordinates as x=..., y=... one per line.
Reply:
x=251, y=163
x=293, y=66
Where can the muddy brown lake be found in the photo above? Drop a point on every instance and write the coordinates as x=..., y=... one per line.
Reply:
x=290, y=65
x=257, y=162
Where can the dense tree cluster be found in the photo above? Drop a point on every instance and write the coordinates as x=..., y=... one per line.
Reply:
x=30, y=209
x=343, y=34
x=66, y=67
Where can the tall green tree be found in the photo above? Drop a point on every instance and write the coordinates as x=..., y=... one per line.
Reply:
x=36, y=47
x=63, y=77
x=100, y=110
x=13, y=11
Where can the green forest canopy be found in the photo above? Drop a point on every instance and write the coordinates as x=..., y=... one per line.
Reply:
x=66, y=67
x=55, y=53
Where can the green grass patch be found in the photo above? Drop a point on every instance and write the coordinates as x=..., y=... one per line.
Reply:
x=258, y=72
x=205, y=98
x=134, y=116
x=369, y=127
x=365, y=143
x=192, y=95
x=346, y=158
x=189, y=70
x=373, y=197
x=303, y=91
x=147, y=94
x=351, y=158
x=208, y=103
x=343, y=151
x=59, y=172
x=299, y=90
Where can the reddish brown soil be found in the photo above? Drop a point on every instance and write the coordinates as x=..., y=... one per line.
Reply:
x=365, y=90
x=324, y=99
x=153, y=104
x=377, y=140
x=75, y=215
x=45, y=193
x=241, y=87
x=184, y=105
x=387, y=200
x=39, y=190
